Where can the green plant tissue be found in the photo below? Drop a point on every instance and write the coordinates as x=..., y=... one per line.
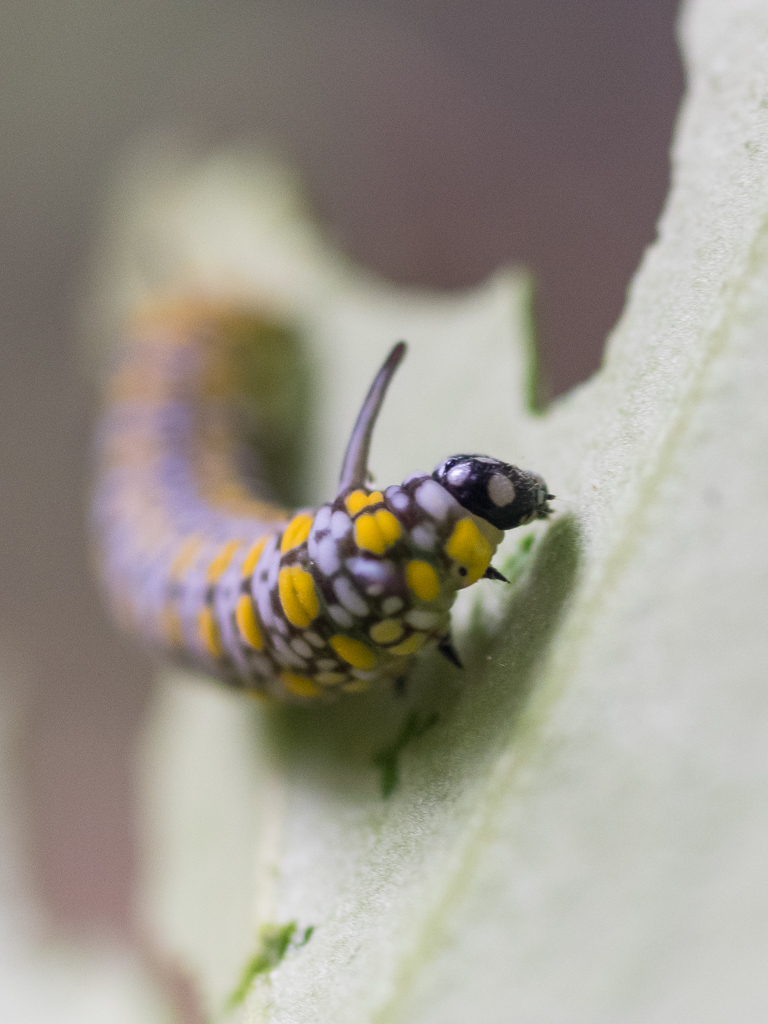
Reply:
x=582, y=833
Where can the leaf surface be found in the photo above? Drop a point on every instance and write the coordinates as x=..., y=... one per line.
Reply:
x=582, y=835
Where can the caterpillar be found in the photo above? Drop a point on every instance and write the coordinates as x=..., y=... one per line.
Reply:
x=303, y=605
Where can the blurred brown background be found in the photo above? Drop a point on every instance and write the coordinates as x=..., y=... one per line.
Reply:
x=439, y=139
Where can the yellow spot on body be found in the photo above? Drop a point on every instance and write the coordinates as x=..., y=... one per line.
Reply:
x=296, y=532
x=300, y=686
x=330, y=678
x=183, y=560
x=356, y=501
x=253, y=556
x=368, y=536
x=470, y=549
x=422, y=579
x=386, y=631
x=209, y=632
x=221, y=561
x=356, y=686
x=409, y=646
x=352, y=651
x=256, y=694
x=297, y=595
x=376, y=531
x=246, y=622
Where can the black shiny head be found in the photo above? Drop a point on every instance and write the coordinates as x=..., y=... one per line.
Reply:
x=503, y=495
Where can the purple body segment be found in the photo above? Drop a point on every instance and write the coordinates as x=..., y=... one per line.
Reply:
x=300, y=605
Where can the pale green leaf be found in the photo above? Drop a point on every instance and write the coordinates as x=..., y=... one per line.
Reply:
x=582, y=836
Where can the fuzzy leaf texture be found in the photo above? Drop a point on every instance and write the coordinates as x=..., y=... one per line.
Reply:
x=581, y=835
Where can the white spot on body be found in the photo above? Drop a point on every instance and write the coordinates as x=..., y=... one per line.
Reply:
x=341, y=524
x=420, y=618
x=501, y=490
x=371, y=570
x=322, y=519
x=340, y=615
x=303, y=649
x=230, y=637
x=327, y=664
x=398, y=498
x=321, y=524
x=458, y=474
x=314, y=639
x=327, y=556
x=281, y=625
x=391, y=605
x=284, y=654
x=434, y=499
x=262, y=595
x=271, y=561
x=424, y=536
x=349, y=597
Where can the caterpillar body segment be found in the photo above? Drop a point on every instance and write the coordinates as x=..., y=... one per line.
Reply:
x=304, y=605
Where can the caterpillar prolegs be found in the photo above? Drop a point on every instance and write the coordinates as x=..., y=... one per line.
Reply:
x=296, y=605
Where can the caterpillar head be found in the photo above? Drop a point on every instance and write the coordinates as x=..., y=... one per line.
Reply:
x=397, y=558
x=502, y=495
x=498, y=496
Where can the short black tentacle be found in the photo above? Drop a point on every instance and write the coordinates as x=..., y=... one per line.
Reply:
x=494, y=574
x=446, y=648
